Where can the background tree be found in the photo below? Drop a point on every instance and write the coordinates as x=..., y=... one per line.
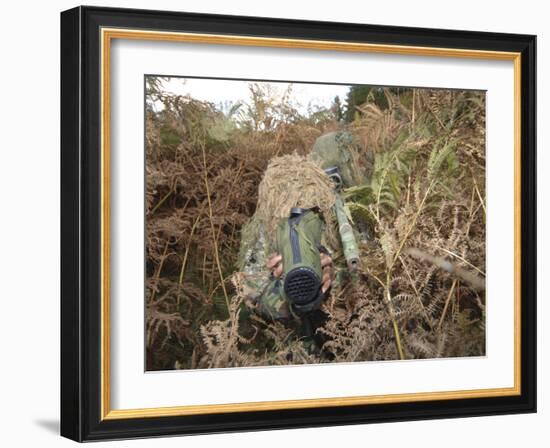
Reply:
x=359, y=95
x=337, y=109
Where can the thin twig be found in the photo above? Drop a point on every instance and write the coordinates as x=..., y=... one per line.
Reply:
x=395, y=327
x=157, y=274
x=413, y=105
x=155, y=208
x=412, y=226
x=447, y=304
x=460, y=258
x=210, y=215
x=472, y=279
x=478, y=193
x=416, y=293
x=184, y=263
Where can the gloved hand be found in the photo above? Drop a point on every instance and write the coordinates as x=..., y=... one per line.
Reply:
x=275, y=265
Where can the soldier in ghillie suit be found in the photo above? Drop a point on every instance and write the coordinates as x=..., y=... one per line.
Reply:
x=295, y=247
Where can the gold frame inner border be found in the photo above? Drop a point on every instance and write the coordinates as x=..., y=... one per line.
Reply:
x=107, y=36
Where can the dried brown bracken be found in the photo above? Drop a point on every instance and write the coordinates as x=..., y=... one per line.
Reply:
x=422, y=216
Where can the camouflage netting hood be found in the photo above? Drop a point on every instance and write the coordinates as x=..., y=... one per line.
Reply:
x=293, y=181
x=289, y=181
x=339, y=149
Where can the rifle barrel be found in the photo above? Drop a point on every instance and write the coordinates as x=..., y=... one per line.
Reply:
x=349, y=243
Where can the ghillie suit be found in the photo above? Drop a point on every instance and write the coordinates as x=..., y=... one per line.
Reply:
x=293, y=182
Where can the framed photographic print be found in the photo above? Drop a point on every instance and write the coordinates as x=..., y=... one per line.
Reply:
x=273, y=223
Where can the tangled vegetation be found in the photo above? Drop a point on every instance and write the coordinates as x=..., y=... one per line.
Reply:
x=420, y=292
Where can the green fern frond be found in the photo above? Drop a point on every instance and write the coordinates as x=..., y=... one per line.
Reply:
x=437, y=157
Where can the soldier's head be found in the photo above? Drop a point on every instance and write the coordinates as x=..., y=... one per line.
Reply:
x=339, y=150
x=292, y=181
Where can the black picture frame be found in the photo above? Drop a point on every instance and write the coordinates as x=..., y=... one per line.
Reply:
x=81, y=224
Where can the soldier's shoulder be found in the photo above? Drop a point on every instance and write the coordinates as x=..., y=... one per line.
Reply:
x=253, y=246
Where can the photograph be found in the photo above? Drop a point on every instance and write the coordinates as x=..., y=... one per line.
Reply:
x=305, y=223
x=279, y=223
